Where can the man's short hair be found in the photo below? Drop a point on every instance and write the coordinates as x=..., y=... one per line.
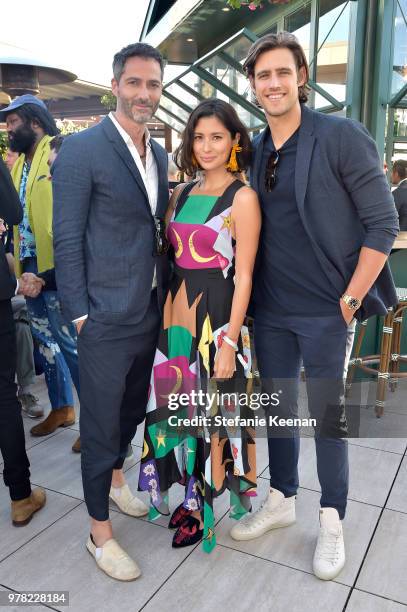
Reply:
x=282, y=40
x=400, y=166
x=135, y=50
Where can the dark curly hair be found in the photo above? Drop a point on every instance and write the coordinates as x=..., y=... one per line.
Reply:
x=31, y=112
x=212, y=107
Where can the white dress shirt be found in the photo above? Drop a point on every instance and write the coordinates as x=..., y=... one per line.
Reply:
x=149, y=174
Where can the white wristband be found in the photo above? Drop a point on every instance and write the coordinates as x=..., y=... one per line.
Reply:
x=231, y=343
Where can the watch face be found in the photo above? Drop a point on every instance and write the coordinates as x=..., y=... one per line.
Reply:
x=353, y=303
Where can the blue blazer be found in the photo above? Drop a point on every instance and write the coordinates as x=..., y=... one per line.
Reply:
x=343, y=200
x=103, y=227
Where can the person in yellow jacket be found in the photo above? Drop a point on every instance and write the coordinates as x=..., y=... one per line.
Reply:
x=30, y=127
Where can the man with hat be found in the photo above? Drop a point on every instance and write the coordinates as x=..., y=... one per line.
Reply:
x=30, y=127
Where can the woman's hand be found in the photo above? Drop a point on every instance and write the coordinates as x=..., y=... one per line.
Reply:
x=225, y=362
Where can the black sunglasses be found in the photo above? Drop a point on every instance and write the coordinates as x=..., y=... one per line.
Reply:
x=161, y=245
x=270, y=178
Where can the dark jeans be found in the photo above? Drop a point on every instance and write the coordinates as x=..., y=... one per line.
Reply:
x=16, y=472
x=323, y=344
x=115, y=363
x=56, y=338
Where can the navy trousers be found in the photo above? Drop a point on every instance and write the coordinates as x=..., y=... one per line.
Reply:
x=115, y=363
x=323, y=345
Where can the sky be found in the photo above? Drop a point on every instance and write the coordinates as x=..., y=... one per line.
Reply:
x=80, y=35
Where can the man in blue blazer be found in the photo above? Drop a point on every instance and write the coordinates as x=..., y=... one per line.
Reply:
x=329, y=223
x=110, y=196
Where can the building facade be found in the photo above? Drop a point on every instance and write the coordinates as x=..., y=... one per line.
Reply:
x=357, y=51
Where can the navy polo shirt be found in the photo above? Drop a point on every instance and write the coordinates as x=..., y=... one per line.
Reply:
x=290, y=279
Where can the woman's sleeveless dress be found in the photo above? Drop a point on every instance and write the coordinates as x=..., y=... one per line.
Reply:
x=206, y=459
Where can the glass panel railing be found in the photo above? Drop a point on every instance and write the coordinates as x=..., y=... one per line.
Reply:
x=399, y=75
x=184, y=96
x=239, y=48
x=203, y=88
x=173, y=123
x=174, y=108
x=333, y=49
x=210, y=91
x=299, y=23
x=400, y=123
x=227, y=74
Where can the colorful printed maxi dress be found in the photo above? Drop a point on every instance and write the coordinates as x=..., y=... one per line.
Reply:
x=207, y=459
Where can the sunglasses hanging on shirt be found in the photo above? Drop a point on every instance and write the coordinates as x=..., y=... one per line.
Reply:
x=270, y=177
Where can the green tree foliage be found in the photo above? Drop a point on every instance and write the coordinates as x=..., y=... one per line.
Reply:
x=109, y=101
x=3, y=143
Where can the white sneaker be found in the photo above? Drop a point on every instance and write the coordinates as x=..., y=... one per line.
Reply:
x=329, y=557
x=276, y=511
x=127, y=502
x=30, y=405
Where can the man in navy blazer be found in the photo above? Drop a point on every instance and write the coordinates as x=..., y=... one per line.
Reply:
x=329, y=223
x=110, y=191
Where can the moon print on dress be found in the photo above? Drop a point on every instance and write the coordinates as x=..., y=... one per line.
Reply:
x=204, y=459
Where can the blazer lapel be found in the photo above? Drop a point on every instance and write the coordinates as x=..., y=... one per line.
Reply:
x=305, y=147
x=123, y=152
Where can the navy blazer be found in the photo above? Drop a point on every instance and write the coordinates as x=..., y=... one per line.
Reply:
x=343, y=199
x=103, y=227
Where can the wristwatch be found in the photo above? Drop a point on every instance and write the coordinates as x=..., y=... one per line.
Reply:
x=351, y=302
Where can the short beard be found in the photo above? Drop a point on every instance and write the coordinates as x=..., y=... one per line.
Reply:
x=137, y=117
x=23, y=139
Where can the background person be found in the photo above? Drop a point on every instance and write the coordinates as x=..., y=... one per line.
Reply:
x=29, y=128
x=16, y=474
x=399, y=178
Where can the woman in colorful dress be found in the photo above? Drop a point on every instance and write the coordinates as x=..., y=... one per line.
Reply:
x=203, y=352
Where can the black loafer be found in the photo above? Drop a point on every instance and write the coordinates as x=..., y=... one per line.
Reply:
x=178, y=517
x=188, y=533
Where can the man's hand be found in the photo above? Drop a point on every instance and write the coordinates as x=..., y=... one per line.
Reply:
x=79, y=325
x=30, y=285
x=347, y=313
x=2, y=227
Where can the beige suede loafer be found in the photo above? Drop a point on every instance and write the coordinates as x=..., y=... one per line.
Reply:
x=23, y=510
x=127, y=502
x=114, y=561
